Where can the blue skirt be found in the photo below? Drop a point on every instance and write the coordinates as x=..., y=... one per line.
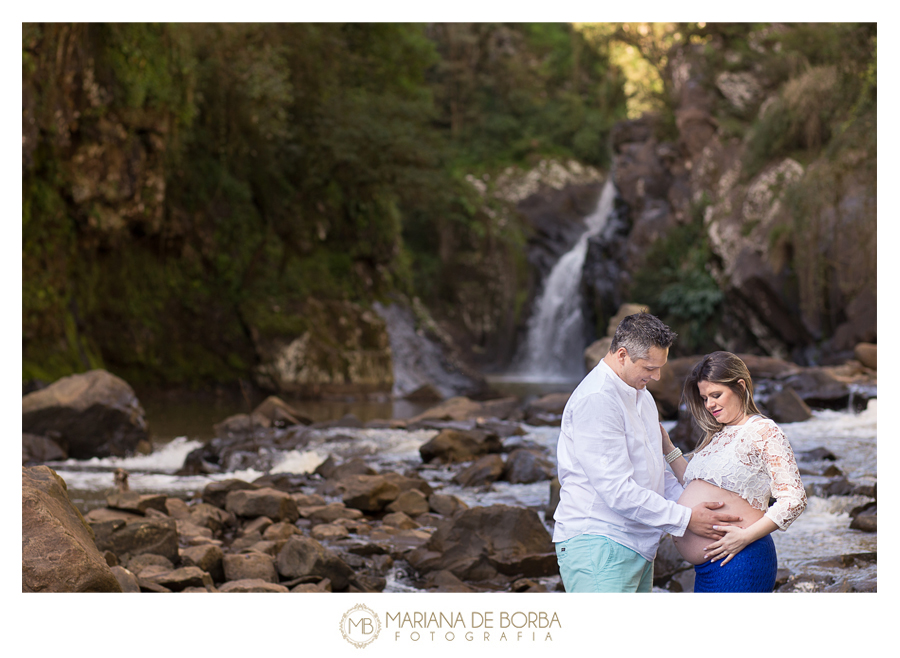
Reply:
x=751, y=570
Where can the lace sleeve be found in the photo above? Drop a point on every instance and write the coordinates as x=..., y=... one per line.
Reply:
x=786, y=486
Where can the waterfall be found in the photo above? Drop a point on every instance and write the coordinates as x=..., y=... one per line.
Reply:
x=553, y=350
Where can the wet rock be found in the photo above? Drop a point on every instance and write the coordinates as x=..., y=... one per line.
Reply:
x=668, y=561
x=304, y=556
x=179, y=579
x=445, y=581
x=527, y=585
x=525, y=466
x=190, y=534
x=279, y=413
x=101, y=514
x=38, y=449
x=462, y=408
x=138, y=563
x=502, y=428
x=399, y=542
x=329, y=531
x=256, y=526
x=131, y=501
x=250, y=565
x=445, y=504
x=409, y=482
x=865, y=518
x=58, y=549
x=452, y=446
x=215, y=493
x=330, y=470
x=143, y=535
x=177, y=508
x=399, y=520
x=212, y=517
x=207, y=557
x=127, y=580
x=820, y=388
x=255, y=585
x=815, y=455
x=786, y=406
x=277, y=505
x=329, y=513
x=867, y=354
x=412, y=503
x=478, y=540
x=368, y=493
x=483, y=470
x=322, y=587
x=308, y=500
x=94, y=414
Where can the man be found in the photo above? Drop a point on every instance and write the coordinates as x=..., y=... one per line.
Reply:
x=616, y=496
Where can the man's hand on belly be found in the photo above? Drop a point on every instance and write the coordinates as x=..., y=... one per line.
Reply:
x=703, y=518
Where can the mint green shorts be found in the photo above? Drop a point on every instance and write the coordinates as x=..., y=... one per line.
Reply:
x=594, y=563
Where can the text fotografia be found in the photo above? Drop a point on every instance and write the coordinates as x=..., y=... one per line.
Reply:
x=478, y=626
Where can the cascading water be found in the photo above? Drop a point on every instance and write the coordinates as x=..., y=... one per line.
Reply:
x=555, y=342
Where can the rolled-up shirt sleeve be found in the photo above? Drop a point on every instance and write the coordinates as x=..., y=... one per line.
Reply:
x=601, y=449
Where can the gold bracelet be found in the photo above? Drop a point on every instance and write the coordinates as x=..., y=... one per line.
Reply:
x=672, y=456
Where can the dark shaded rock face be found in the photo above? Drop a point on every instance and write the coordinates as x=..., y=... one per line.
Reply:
x=481, y=542
x=95, y=414
x=58, y=551
x=423, y=366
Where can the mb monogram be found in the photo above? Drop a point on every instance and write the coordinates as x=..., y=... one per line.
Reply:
x=360, y=626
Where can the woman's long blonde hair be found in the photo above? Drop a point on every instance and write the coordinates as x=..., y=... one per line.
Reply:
x=717, y=368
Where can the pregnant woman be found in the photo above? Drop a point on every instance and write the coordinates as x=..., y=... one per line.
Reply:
x=744, y=460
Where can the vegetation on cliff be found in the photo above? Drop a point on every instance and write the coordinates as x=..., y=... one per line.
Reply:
x=189, y=189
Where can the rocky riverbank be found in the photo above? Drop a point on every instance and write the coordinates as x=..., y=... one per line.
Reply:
x=346, y=526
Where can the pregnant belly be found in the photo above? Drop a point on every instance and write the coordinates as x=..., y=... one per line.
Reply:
x=692, y=546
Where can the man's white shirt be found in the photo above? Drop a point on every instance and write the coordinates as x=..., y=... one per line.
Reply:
x=613, y=477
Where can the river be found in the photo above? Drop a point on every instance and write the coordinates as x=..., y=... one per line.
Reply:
x=821, y=533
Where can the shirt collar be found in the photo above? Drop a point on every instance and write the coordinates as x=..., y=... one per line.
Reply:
x=624, y=389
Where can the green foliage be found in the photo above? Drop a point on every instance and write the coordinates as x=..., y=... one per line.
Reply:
x=825, y=75
x=676, y=284
x=508, y=93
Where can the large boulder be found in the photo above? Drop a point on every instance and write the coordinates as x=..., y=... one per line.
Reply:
x=94, y=414
x=480, y=542
x=786, y=406
x=38, y=449
x=58, y=550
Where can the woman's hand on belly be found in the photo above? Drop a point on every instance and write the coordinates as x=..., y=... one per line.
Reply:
x=737, y=538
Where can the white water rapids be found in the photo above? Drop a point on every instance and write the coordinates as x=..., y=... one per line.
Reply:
x=821, y=532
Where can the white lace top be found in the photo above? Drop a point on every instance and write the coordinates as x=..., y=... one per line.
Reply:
x=755, y=461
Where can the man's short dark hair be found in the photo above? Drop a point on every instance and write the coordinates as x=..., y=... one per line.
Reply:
x=639, y=332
